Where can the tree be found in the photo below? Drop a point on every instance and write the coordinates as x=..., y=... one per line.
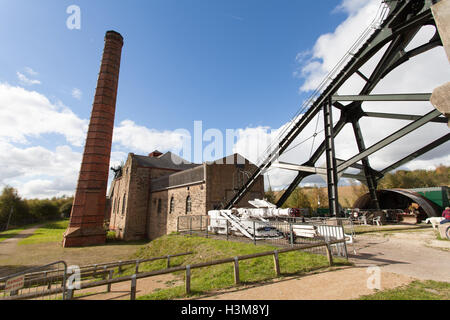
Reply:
x=270, y=196
x=417, y=178
x=320, y=198
x=43, y=210
x=66, y=209
x=299, y=199
x=10, y=199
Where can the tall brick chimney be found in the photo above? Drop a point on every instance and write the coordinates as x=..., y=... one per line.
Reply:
x=88, y=211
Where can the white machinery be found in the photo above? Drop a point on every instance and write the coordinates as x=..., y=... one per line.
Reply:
x=255, y=223
x=223, y=221
x=251, y=223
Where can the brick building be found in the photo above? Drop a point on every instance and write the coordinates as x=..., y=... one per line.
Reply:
x=149, y=193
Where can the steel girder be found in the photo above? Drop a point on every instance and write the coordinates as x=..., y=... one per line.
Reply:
x=330, y=150
x=405, y=19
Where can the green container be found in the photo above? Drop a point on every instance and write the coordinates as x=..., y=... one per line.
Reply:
x=323, y=212
x=440, y=195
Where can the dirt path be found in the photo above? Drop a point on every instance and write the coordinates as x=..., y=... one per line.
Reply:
x=402, y=258
x=8, y=247
x=343, y=284
x=121, y=291
x=416, y=254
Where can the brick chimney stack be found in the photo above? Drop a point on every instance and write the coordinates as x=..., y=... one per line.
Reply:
x=88, y=212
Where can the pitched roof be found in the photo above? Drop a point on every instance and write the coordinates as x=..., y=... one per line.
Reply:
x=183, y=178
x=168, y=160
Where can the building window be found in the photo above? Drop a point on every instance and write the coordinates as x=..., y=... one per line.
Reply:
x=159, y=206
x=114, y=205
x=123, y=203
x=188, y=205
x=172, y=205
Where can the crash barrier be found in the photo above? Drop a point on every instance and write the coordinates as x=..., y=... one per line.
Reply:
x=290, y=232
x=50, y=281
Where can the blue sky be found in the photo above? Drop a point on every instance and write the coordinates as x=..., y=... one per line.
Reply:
x=230, y=64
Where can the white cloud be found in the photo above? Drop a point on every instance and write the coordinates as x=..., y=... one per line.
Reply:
x=351, y=6
x=144, y=140
x=25, y=80
x=30, y=71
x=38, y=172
x=77, y=93
x=25, y=114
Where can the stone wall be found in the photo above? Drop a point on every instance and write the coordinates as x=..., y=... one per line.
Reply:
x=130, y=200
x=165, y=221
x=119, y=201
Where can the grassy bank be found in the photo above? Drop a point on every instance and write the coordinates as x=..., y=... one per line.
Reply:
x=221, y=276
x=50, y=232
x=417, y=290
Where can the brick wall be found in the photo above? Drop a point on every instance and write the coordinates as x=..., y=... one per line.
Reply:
x=223, y=178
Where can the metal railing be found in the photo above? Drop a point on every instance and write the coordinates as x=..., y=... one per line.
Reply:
x=284, y=229
x=69, y=293
x=188, y=268
x=18, y=285
x=42, y=279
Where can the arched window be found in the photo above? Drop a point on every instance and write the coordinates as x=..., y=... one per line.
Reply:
x=172, y=205
x=188, y=205
x=123, y=203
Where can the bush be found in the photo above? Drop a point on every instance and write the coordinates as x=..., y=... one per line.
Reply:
x=66, y=209
x=30, y=211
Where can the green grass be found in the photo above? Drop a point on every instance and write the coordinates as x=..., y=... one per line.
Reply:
x=221, y=276
x=10, y=233
x=50, y=232
x=417, y=290
x=13, y=232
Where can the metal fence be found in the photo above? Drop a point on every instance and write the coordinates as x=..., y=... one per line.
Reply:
x=40, y=283
x=281, y=232
x=53, y=281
